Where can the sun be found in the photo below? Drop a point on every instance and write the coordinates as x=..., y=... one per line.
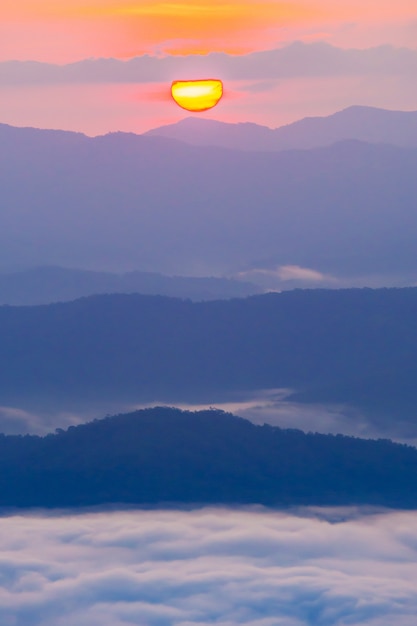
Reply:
x=197, y=95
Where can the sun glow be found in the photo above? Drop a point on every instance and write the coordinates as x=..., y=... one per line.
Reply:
x=197, y=95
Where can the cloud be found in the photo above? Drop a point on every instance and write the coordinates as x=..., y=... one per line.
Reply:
x=17, y=420
x=254, y=567
x=289, y=276
x=14, y=421
x=296, y=60
x=295, y=272
x=285, y=277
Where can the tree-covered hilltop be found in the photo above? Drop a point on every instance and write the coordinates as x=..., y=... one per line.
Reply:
x=164, y=455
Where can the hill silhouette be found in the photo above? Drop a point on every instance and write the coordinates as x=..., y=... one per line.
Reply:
x=356, y=347
x=164, y=455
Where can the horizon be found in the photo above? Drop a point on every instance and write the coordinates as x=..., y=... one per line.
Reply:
x=188, y=117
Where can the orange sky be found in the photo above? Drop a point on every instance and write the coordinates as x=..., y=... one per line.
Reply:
x=63, y=30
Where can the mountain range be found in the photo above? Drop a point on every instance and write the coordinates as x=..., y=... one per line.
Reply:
x=322, y=202
x=370, y=124
x=122, y=202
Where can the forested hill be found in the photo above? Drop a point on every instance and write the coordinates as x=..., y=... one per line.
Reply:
x=355, y=346
x=166, y=455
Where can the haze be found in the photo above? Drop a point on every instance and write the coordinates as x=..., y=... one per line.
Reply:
x=139, y=248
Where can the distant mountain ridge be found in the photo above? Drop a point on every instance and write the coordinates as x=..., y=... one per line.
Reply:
x=56, y=284
x=164, y=455
x=362, y=123
x=122, y=201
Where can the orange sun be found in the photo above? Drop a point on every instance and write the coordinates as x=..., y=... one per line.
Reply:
x=197, y=95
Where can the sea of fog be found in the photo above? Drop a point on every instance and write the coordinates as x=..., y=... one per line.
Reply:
x=229, y=567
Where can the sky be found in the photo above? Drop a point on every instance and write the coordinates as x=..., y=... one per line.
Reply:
x=229, y=567
x=218, y=35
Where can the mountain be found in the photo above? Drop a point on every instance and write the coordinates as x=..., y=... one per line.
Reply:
x=121, y=201
x=356, y=348
x=56, y=284
x=163, y=455
x=362, y=123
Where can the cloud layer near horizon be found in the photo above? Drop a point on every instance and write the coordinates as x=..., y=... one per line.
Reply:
x=292, y=61
x=209, y=566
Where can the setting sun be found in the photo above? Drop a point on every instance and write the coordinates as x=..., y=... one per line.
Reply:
x=197, y=95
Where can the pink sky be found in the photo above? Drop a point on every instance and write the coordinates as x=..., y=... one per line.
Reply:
x=64, y=32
